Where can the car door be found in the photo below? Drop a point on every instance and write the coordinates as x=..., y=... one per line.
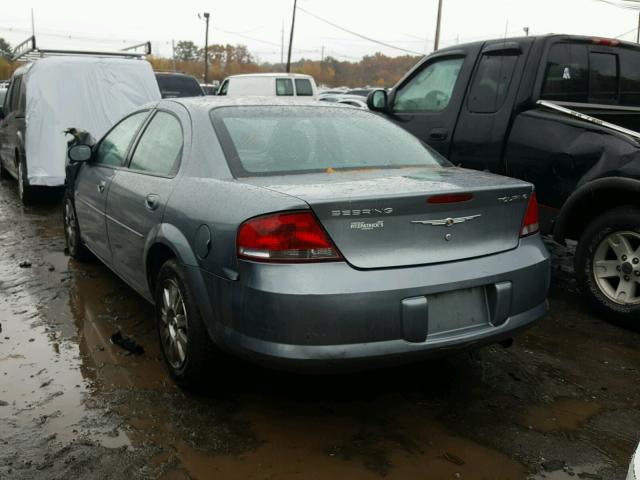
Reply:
x=428, y=100
x=94, y=179
x=139, y=193
x=484, y=118
x=9, y=125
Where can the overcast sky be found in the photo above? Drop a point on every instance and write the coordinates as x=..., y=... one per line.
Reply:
x=407, y=24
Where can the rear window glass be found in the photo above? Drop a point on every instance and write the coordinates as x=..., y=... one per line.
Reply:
x=284, y=87
x=567, y=73
x=630, y=78
x=303, y=87
x=176, y=86
x=297, y=139
x=603, y=86
x=491, y=84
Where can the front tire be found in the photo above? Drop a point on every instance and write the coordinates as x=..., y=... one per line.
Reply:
x=186, y=347
x=607, y=264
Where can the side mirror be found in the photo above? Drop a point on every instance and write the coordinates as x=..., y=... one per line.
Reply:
x=378, y=101
x=80, y=153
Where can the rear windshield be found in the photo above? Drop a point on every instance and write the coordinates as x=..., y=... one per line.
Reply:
x=175, y=86
x=275, y=140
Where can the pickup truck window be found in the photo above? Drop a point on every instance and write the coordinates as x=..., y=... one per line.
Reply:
x=491, y=83
x=566, y=76
x=430, y=90
x=603, y=73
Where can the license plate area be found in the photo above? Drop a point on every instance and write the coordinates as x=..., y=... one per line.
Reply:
x=457, y=310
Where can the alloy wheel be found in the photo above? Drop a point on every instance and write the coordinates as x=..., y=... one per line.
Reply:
x=173, y=324
x=616, y=267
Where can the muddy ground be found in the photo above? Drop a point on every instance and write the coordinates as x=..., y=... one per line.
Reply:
x=563, y=402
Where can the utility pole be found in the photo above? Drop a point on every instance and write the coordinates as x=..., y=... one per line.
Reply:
x=282, y=45
x=322, y=64
x=206, y=46
x=526, y=31
x=173, y=54
x=638, y=33
x=437, y=42
x=33, y=24
x=293, y=25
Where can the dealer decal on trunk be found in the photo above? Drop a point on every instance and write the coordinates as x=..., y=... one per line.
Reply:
x=367, y=225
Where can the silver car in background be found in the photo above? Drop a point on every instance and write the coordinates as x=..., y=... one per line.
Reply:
x=303, y=236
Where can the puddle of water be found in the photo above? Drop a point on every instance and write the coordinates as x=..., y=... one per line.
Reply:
x=572, y=473
x=560, y=415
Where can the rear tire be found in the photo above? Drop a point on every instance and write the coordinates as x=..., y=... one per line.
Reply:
x=607, y=264
x=186, y=346
x=75, y=247
x=26, y=192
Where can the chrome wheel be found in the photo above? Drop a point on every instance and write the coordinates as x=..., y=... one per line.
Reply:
x=70, y=226
x=616, y=267
x=173, y=324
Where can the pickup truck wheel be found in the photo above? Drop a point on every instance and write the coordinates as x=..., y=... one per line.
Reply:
x=26, y=192
x=186, y=347
x=607, y=264
x=72, y=237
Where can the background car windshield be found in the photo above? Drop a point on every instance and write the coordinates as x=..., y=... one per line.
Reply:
x=291, y=139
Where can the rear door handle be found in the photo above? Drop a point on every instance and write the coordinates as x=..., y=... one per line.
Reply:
x=101, y=186
x=152, y=201
x=438, y=134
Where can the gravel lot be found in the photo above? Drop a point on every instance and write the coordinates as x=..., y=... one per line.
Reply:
x=562, y=402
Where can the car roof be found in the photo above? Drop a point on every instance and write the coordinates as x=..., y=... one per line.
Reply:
x=281, y=74
x=207, y=103
x=173, y=74
x=555, y=36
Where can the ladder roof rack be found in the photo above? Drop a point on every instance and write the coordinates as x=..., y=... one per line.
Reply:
x=28, y=50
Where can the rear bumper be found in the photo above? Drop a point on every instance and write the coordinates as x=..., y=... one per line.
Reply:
x=322, y=315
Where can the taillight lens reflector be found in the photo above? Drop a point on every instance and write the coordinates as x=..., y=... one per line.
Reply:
x=286, y=237
x=451, y=198
x=531, y=224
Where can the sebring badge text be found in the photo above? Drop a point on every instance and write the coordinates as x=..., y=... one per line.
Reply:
x=362, y=211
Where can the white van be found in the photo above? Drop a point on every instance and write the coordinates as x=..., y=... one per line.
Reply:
x=270, y=85
x=50, y=94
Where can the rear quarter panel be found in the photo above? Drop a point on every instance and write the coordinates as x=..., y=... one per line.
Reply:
x=558, y=154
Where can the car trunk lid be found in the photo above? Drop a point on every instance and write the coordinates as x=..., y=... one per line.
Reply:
x=404, y=217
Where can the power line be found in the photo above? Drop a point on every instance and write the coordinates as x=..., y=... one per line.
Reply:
x=388, y=45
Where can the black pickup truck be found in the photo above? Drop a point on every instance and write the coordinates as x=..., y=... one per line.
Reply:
x=478, y=105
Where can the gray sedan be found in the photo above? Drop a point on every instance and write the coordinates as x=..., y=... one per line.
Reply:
x=303, y=236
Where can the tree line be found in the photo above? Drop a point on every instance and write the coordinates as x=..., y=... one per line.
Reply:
x=224, y=60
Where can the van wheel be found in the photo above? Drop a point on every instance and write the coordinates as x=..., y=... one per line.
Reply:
x=72, y=237
x=25, y=191
x=3, y=171
x=186, y=347
x=607, y=264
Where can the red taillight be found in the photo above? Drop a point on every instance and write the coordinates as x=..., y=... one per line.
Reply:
x=285, y=237
x=607, y=42
x=451, y=198
x=530, y=224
